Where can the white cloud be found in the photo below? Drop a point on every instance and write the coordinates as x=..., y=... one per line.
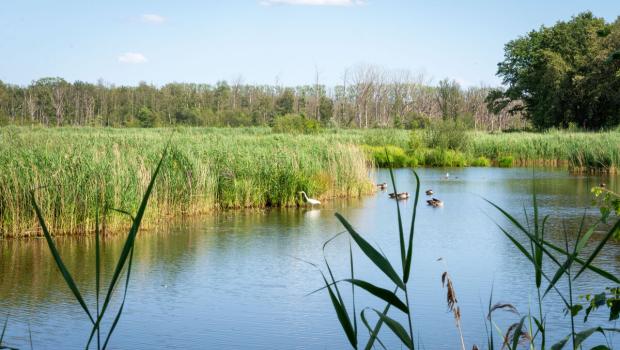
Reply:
x=152, y=18
x=314, y=2
x=132, y=57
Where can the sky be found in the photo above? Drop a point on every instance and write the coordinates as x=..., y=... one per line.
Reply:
x=285, y=42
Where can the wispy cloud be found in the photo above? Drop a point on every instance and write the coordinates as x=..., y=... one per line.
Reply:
x=132, y=58
x=314, y=2
x=152, y=18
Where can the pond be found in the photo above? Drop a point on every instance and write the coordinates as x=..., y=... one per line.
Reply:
x=236, y=280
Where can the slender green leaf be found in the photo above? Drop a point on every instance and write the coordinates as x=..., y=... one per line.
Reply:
x=6, y=322
x=545, y=243
x=585, y=334
x=560, y=345
x=516, y=336
x=373, y=333
x=343, y=316
x=599, y=247
x=58, y=260
x=397, y=328
x=381, y=293
x=593, y=268
x=401, y=234
x=407, y=269
x=122, y=306
x=353, y=288
x=379, y=260
x=97, y=266
x=129, y=242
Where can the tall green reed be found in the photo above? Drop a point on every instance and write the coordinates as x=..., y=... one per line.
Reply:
x=124, y=263
x=206, y=170
x=545, y=255
x=392, y=296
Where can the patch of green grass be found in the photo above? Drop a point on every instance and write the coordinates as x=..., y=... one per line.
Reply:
x=206, y=169
x=505, y=161
x=481, y=161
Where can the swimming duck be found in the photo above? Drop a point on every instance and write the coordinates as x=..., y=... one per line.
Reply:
x=429, y=192
x=382, y=186
x=434, y=202
x=401, y=195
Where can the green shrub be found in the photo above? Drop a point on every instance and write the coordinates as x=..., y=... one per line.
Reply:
x=295, y=124
x=481, y=161
x=505, y=161
x=444, y=158
x=397, y=156
x=416, y=140
x=447, y=134
x=147, y=118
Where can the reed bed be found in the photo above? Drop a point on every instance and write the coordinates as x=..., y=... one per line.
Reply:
x=577, y=151
x=205, y=170
x=219, y=168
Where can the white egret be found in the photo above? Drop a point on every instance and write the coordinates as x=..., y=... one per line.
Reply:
x=310, y=201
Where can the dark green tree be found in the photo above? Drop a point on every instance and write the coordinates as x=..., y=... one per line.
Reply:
x=146, y=118
x=285, y=102
x=326, y=109
x=567, y=73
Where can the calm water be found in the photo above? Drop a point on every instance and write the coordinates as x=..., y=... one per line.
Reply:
x=232, y=281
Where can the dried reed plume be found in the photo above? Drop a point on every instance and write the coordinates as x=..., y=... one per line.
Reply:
x=452, y=302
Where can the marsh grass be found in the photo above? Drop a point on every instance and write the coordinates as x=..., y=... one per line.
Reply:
x=212, y=169
x=576, y=151
x=206, y=170
x=123, y=265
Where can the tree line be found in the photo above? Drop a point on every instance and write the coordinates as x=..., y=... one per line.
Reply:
x=367, y=97
x=560, y=76
x=565, y=74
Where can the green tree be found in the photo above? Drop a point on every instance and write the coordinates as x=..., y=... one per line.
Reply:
x=285, y=102
x=326, y=109
x=567, y=73
x=146, y=117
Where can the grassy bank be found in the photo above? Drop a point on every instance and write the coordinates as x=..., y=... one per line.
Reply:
x=206, y=169
x=218, y=168
x=577, y=151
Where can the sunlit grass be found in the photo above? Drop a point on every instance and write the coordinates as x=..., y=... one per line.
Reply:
x=206, y=169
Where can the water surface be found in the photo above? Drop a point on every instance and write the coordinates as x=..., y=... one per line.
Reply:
x=235, y=280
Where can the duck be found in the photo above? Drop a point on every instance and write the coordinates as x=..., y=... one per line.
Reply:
x=382, y=186
x=434, y=202
x=401, y=195
x=429, y=192
x=602, y=184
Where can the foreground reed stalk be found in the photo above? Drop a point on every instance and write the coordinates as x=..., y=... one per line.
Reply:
x=124, y=263
x=541, y=247
x=392, y=298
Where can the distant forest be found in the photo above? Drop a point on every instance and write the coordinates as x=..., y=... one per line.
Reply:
x=368, y=97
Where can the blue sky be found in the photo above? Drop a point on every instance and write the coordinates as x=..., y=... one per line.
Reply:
x=267, y=41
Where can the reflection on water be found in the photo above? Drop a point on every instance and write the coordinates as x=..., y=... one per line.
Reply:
x=236, y=280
